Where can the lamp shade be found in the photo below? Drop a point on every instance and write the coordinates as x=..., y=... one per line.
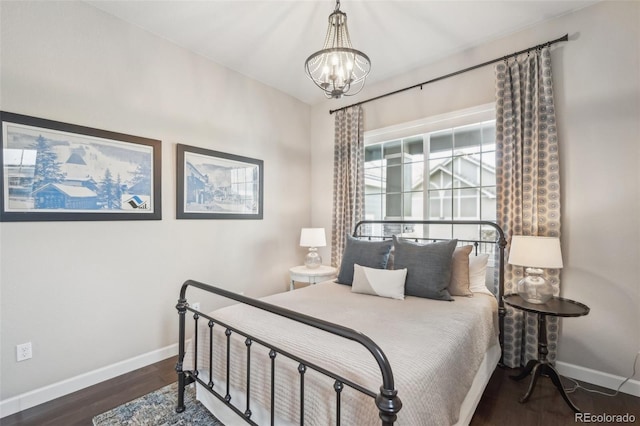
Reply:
x=535, y=252
x=312, y=237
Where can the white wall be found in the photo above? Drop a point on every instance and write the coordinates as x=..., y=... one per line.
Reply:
x=90, y=294
x=597, y=93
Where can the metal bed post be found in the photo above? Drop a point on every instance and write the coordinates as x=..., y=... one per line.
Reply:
x=182, y=309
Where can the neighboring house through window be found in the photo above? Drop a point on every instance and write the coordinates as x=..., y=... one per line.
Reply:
x=439, y=168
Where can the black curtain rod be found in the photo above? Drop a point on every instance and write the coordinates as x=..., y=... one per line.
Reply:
x=503, y=58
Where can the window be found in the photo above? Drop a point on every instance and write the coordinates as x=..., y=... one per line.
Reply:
x=441, y=168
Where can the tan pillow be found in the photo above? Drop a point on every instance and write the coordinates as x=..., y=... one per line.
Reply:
x=459, y=284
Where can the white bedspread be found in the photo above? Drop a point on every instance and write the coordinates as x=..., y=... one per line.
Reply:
x=434, y=348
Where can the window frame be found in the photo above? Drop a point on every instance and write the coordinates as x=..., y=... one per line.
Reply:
x=424, y=128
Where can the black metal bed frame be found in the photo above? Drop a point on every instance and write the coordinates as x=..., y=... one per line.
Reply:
x=387, y=400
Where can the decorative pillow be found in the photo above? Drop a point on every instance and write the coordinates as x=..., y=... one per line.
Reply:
x=428, y=267
x=478, y=273
x=459, y=284
x=372, y=254
x=379, y=282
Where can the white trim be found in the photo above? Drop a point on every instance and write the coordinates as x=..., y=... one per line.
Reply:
x=434, y=123
x=72, y=384
x=606, y=380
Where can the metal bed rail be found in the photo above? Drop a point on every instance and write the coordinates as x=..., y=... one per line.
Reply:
x=387, y=400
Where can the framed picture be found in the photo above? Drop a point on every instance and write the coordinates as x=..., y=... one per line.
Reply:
x=55, y=171
x=216, y=185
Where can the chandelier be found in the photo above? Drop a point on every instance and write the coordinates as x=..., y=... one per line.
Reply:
x=338, y=68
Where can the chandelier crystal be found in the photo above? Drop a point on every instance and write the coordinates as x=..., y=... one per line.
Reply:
x=338, y=69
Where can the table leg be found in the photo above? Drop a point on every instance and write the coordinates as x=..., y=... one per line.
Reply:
x=534, y=378
x=525, y=371
x=550, y=371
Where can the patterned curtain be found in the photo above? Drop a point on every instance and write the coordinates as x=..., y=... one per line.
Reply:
x=348, y=178
x=528, y=183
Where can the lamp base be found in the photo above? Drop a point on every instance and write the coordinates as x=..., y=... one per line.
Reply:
x=313, y=259
x=533, y=288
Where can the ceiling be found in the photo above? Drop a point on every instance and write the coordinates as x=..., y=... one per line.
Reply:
x=269, y=40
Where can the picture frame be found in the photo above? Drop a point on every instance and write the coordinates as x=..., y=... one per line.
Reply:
x=218, y=185
x=54, y=171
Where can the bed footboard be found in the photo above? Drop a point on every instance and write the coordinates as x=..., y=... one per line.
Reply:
x=387, y=401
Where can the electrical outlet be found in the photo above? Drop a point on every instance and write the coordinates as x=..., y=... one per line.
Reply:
x=196, y=306
x=24, y=351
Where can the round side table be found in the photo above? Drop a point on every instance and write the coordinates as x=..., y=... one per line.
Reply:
x=311, y=276
x=556, y=307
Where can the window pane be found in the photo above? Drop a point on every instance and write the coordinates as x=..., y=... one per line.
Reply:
x=413, y=205
x=488, y=133
x=413, y=176
x=467, y=138
x=440, y=205
x=440, y=172
x=466, y=169
x=488, y=233
x=393, y=206
x=373, y=207
x=394, y=178
x=488, y=203
x=414, y=149
x=392, y=149
x=466, y=203
x=373, y=153
x=440, y=231
x=466, y=232
x=415, y=230
x=441, y=144
x=489, y=168
x=374, y=180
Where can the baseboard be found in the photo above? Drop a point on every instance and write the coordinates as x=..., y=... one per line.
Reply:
x=67, y=386
x=606, y=380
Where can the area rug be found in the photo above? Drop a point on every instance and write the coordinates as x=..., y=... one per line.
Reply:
x=158, y=409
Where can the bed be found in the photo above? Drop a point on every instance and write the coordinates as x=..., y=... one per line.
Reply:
x=326, y=354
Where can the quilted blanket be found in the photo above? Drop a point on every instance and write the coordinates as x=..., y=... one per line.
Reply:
x=434, y=348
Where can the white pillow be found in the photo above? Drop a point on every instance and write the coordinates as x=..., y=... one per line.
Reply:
x=379, y=282
x=478, y=273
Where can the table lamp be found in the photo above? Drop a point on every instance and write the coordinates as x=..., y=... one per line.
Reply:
x=534, y=253
x=312, y=238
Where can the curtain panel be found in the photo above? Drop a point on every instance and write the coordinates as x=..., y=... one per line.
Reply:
x=348, y=178
x=528, y=183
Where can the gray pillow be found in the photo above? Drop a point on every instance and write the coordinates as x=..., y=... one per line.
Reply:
x=372, y=254
x=428, y=267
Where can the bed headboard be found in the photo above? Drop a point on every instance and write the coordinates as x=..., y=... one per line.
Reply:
x=485, y=236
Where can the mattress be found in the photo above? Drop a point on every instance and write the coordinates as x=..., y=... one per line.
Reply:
x=435, y=349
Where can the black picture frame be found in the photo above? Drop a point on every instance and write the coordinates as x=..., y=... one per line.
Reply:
x=55, y=171
x=218, y=185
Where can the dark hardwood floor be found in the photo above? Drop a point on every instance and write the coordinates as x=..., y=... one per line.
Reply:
x=80, y=407
x=499, y=404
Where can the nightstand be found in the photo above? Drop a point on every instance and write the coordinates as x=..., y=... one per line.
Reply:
x=557, y=307
x=311, y=276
